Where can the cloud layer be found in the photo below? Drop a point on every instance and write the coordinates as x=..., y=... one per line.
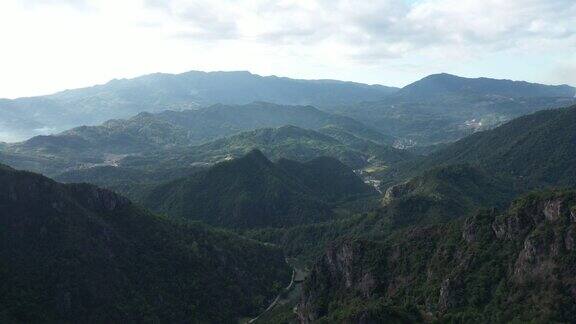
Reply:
x=386, y=41
x=384, y=29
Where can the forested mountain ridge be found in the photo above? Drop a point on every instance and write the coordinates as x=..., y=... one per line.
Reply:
x=25, y=117
x=443, y=108
x=491, y=267
x=252, y=191
x=287, y=142
x=444, y=84
x=437, y=196
x=534, y=150
x=77, y=253
x=170, y=132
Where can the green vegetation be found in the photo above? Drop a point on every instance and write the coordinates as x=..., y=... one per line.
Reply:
x=434, y=246
x=253, y=192
x=286, y=142
x=533, y=151
x=438, y=196
x=157, y=92
x=176, y=139
x=444, y=108
x=488, y=268
x=76, y=253
x=131, y=182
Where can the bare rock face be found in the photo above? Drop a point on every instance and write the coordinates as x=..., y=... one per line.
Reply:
x=397, y=191
x=533, y=262
x=570, y=238
x=341, y=268
x=474, y=228
x=553, y=209
x=532, y=244
x=341, y=262
x=449, y=296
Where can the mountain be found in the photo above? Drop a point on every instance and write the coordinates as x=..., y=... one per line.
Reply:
x=224, y=120
x=375, y=149
x=77, y=253
x=113, y=141
x=444, y=193
x=25, y=117
x=514, y=266
x=133, y=173
x=439, y=108
x=444, y=108
x=288, y=142
x=253, y=192
x=131, y=182
x=535, y=150
x=440, y=85
x=437, y=196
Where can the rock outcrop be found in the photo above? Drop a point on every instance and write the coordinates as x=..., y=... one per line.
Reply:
x=521, y=261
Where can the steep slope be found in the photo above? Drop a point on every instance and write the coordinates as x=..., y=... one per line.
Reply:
x=515, y=266
x=384, y=153
x=444, y=193
x=535, y=150
x=328, y=178
x=253, y=192
x=437, y=196
x=77, y=253
x=25, y=117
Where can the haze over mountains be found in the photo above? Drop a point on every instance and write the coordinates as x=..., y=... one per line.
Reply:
x=533, y=151
x=25, y=117
x=248, y=178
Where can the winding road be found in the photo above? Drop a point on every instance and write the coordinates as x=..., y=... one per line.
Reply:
x=277, y=297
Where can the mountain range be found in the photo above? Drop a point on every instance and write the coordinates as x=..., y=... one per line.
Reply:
x=25, y=117
x=457, y=105
x=450, y=200
x=511, y=266
x=170, y=132
x=443, y=108
x=447, y=244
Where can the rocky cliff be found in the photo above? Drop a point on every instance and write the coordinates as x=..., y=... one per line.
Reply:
x=491, y=267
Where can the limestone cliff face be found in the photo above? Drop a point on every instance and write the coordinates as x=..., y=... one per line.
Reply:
x=522, y=260
x=397, y=191
x=342, y=266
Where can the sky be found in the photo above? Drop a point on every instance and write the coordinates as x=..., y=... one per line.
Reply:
x=52, y=45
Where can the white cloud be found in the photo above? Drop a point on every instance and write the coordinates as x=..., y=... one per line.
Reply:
x=563, y=73
x=53, y=44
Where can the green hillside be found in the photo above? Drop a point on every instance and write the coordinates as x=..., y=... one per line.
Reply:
x=515, y=266
x=77, y=253
x=253, y=192
x=534, y=150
